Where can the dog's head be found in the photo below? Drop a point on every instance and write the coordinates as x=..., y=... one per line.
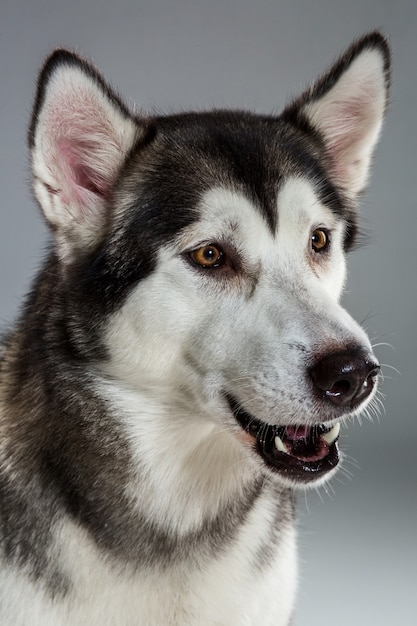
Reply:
x=203, y=254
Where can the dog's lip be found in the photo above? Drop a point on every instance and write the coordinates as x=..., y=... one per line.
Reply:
x=302, y=453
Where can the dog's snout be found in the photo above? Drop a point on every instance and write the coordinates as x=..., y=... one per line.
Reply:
x=345, y=378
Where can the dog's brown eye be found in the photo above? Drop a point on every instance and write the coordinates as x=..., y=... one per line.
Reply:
x=208, y=256
x=319, y=240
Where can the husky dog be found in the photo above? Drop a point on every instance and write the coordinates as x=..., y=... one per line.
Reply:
x=182, y=362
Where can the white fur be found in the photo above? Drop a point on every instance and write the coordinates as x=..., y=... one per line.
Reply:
x=294, y=305
x=179, y=428
x=222, y=593
x=192, y=448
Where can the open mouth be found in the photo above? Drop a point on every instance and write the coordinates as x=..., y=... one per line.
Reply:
x=302, y=453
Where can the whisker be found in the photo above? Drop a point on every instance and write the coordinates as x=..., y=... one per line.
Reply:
x=382, y=343
x=368, y=317
x=391, y=367
x=350, y=460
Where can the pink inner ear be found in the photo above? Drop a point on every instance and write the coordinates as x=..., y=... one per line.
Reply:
x=81, y=138
x=74, y=157
x=349, y=129
x=84, y=147
x=345, y=125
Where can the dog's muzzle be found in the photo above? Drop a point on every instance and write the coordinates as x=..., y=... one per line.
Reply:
x=341, y=382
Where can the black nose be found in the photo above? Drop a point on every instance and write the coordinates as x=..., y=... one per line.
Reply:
x=345, y=378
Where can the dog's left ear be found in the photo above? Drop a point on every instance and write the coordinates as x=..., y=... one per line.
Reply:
x=346, y=108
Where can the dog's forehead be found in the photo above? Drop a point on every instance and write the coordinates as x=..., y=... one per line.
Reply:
x=222, y=170
x=251, y=154
x=227, y=213
x=236, y=150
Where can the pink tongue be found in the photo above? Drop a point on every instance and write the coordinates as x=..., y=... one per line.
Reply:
x=296, y=433
x=299, y=440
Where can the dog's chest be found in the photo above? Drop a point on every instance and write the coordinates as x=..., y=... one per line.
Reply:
x=245, y=583
x=239, y=587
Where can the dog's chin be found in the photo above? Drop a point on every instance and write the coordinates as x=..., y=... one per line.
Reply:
x=301, y=455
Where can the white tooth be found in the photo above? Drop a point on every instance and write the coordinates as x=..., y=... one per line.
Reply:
x=332, y=435
x=280, y=445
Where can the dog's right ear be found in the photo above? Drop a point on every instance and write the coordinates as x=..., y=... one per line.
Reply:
x=80, y=136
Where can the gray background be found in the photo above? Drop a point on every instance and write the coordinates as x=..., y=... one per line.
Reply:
x=358, y=546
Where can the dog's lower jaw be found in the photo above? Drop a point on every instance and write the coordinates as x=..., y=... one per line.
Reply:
x=298, y=454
